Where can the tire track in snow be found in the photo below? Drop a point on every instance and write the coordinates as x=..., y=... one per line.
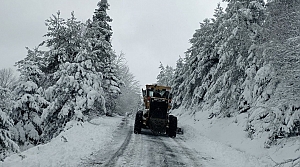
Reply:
x=157, y=151
x=189, y=154
x=148, y=150
x=133, y=154
x=108, y=155
x=145, y=150
x=112, y=161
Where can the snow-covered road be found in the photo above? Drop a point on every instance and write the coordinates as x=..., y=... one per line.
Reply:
x=145, y=149
x=110, y=141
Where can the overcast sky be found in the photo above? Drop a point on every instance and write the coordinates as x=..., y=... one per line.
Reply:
x=147, y=31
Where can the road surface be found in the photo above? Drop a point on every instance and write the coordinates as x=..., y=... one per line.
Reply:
x=143, y=150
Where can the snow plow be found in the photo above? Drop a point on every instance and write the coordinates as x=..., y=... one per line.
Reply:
x=155, y=116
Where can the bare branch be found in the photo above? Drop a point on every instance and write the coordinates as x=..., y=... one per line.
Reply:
x=7, y=78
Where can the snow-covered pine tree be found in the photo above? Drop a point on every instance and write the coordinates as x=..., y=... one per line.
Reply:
x=6, y=92
x=282, y=20
x=239, y=24
x=6, y=100
x=111, y=85
x=196, y=66
x=277, y=81
x=176, y=83
x=98, y=34
x=209, y=54
x=75, y=91
x=62, y=41
x=169, y=72
x=243, y=66
x=240, y=30
x=254, y=14
x=216, y=62
x=161, y=76
x=7, y=145
x=165, y=76
x=29, y=102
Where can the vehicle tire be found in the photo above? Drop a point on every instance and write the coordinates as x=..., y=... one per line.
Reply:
x=172, y=126
x=167, y=131
x=138, y=122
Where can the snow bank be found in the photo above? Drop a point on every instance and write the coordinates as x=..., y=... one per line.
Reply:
x=225, y=143
x=78, y=141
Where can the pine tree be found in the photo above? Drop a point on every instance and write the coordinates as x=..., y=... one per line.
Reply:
x=6, y=94
x=176, y=82
x=7, y=145
x=283, y=20
x=161, y=76
x=169, y=74
x=29, y=102
x=6, y=102
x=98, y=35
x=216, y=62
x=197, y=65
x=246, y=60
x=165, y=76
x=278, y=82
x=75, y=92
x=57, y=42
x=111, y=85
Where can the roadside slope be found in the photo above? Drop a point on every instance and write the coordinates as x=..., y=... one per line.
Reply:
x=77, y=142
x=225, y=143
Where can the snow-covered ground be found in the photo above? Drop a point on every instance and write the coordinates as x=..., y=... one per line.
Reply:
x=220, y=143
x=76, y=143
x=227, y=142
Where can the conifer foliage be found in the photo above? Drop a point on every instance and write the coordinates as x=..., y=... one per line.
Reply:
x=98, y=36
x=7, y=145
x=76, y=89
x=177, y=79
x=29, y=102
x=165, y=76
x=74, y=78
x=245, y=60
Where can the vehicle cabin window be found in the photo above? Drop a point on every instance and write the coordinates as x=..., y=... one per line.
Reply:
x=150, y=93
x=158, y=93
x=144, y=92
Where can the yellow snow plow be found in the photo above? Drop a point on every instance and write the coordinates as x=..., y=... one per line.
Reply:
x=155, y=116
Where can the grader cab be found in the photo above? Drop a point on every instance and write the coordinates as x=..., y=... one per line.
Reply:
x=155, y=116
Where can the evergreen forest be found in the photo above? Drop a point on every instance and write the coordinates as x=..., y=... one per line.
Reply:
x=245, y=59
x=73, y=75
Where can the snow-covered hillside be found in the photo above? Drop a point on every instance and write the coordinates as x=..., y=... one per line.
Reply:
x=227, y=140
